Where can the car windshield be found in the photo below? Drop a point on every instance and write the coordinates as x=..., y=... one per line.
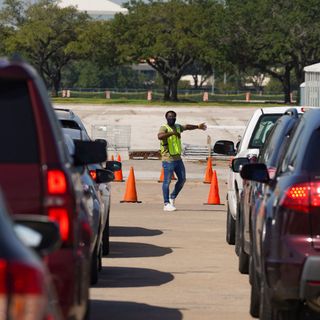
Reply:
x=262, y=129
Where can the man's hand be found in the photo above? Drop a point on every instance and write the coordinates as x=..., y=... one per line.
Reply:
x=202, y=126
x=176, y=133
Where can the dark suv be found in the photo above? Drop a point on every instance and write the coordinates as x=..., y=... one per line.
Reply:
x=286, y=253
x=37, y=177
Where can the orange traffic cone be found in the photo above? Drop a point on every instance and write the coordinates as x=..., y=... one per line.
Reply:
x=214, y=197
x=161, y=178
x=118, y=177
x=131, y=192
x=112, y=157
x=208, y=174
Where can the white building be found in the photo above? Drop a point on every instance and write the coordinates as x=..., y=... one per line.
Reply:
x=97, y=9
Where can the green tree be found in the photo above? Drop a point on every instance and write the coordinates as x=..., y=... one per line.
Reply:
x=169, y=36
x=48, y=37
x=276, y=37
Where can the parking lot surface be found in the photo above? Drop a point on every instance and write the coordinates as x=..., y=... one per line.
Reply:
x=169, y=266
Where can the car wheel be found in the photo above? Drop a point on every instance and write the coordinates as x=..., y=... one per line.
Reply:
x=265, y=310
x=87, y=314
x=255, y=292
x=100, y=257
x=105, y=239
x=94, y=267
x=268, y=312
x=243, y=256
x=237, y=232
x=231, y=226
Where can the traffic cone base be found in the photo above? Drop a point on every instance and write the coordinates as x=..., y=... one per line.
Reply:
x=131, y=192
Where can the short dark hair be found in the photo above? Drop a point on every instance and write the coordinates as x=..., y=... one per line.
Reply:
x=170, y=111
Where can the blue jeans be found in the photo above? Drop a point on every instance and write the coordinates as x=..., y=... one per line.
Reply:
x=178, y=168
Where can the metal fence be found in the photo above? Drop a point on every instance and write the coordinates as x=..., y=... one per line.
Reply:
x=157, y=95
x=117, y=136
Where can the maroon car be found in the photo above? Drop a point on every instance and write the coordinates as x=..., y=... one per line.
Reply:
x=37, y=177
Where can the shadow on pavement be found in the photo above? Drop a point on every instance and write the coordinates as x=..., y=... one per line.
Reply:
x=125, y=277
x=136, y=250
x=116, y=310
x=133, y=232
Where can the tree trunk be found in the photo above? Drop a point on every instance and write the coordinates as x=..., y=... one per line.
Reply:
x=56, y=80
x=166, y=89
x=287, y=85
x=174, y=89
x=300, y=80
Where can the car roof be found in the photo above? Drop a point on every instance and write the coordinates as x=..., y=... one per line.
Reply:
x=64, y=114
x=269, y=110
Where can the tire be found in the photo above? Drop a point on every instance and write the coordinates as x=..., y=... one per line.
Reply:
x=87, y=314
x=243, y=262
x=94, y=267
x=105, y=239
x=230, y=228
x=243, y=256
x=255, y=292
x=268, y=312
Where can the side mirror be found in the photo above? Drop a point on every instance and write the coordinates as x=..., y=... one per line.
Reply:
x=238, y=163
x=103, y=141
x=113, y=165
x=37, y=232
x=88, y=152
x=104, y=176
x=225, y=147
x=255, y=172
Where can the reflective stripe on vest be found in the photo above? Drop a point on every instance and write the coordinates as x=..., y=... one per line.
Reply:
x=174, y=143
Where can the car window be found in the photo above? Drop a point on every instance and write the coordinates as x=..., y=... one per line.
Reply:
x=17, y=124
x=311, y=159
x=290, y=157
x=70, y=124
x=262, y=129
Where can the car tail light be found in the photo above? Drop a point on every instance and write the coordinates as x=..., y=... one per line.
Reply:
x=93, y=174
x=302, y=196
x=59, y=202
x=22, y=291
x=60, y=215
x=57, y=183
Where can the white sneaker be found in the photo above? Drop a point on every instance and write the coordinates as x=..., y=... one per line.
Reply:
x=169, y=207
x=171, y=201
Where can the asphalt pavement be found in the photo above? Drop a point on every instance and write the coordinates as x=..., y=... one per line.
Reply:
x=169, y=266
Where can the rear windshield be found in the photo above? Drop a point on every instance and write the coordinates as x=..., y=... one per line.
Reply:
x=262, y=129
x=17, y=126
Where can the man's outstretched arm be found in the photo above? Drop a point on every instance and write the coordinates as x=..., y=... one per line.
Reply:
x=201, y=126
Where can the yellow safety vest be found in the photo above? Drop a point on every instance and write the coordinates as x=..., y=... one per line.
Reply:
x=173, y=142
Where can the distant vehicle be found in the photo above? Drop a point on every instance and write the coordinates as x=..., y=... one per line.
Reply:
x=94, y=207
x=26, y=289
x=37, y=178
x=285, y=271
x=251, y=142
x=74, y=127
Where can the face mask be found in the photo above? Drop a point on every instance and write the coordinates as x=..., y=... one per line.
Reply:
x=171, y=121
